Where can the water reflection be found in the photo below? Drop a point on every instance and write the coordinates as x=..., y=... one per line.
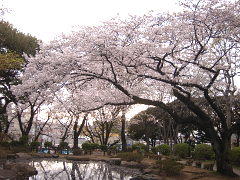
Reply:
x=73, y=170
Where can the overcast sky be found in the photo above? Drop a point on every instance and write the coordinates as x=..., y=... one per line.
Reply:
x=45, y=19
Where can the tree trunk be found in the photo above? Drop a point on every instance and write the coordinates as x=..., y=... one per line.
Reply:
x=41, y=129
x=222, y=149
x=148, y=144
x=175, y=134
x=123, y=138
x=64, y=137
x=75, y=135
x=153, y=142
x=75, y=140
x=7, y=125
x=238, y=139
x=4, y=123
x=90, y=132
x=77, y=131
x=222, y=144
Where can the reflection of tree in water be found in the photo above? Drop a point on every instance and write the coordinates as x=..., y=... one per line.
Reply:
x=61, y=170
x=48, y=170
x=99, y=171
x=75, y=168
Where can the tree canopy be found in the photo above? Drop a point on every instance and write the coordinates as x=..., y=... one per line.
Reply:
x=14, y=40
x=14, y=45
x=151, y=60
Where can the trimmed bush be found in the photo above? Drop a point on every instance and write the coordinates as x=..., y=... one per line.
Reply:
x=35, y=145
x=131, y=156
x=5, y=144
x=48, y=144
x=63, y=145
x=94, y=146
x=203, y=152
x=129, y=149
x=139, y=147
x=174, y=158
x=114, y=148
x=15, y=143
x=20, y=146
x=235, y=155
x=89, y=147
x=154, y=150
x=23, y=140
x=181, y=150
x=169, y=167
x=77, y=151
x=86, y=146
x=103, y=148
x=164, y=149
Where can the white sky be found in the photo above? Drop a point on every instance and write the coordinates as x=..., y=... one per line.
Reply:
x=45, y=19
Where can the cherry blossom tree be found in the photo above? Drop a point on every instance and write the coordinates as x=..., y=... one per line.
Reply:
x=24, y=109
x=191, y=54
x=71, y=105
x=40, y=124
x=65, y=121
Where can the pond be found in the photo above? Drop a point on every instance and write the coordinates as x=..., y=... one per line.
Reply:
x=76, y=170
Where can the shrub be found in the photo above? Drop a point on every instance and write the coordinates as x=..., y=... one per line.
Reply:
x=131, y=156
x=139, y=147
x=35, y=145
x=3, y=154
x=149, y=154
x=235, y=155
x=103, y=148
x=174, y=158
x=154, y=150
x=77, y=151
x=129, y=149
x=5, y=144
x=63, y=145
x=15, y=143
x=169, y=167
x=89, y=147
x=48, y=144
x=94, y=146
x=114, y=148
x=181, y=150
x=86, y=146
x=164, y=149
x=203, y=152
x=23, y=140
x=20, y=148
